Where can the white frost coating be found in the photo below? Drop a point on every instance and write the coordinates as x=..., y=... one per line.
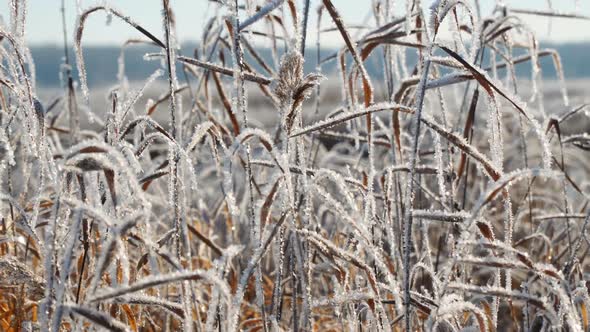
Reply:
x=494, y=126
x=80, y=59
x=148, y=282
x=561, y=76
x=441, y=215
x=409, y=5
x=331, y=239
x=66, y=265
x=339, y=181
x=198, y=133
x=106, y=321
x=128, y=152
x=262, y=12
x=6, y=150
x=451, y=307
x=173, y=168
x=137, y=95
x=228, y=185
x=461, y=142
x=545, y=144
x=330, y=122
x=78, y=33
x=508, y=179
x=438, y=156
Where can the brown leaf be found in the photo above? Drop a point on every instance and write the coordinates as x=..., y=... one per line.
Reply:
x=467, y=130
x=266, y=206
x=483, y=81
x=110, y=176
x=486, y=231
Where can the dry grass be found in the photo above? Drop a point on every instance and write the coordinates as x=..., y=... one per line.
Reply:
x=431, y=199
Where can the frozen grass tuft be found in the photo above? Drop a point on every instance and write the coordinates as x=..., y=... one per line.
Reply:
x=431, y=197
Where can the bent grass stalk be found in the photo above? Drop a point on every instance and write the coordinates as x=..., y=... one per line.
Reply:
x=423, y=201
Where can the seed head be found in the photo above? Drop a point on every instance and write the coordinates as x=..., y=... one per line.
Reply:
x=292, y=86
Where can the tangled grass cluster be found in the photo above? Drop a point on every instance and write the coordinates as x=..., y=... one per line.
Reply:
x=430, y=198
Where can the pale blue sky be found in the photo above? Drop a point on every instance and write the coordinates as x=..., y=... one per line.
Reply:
x=44, y=19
